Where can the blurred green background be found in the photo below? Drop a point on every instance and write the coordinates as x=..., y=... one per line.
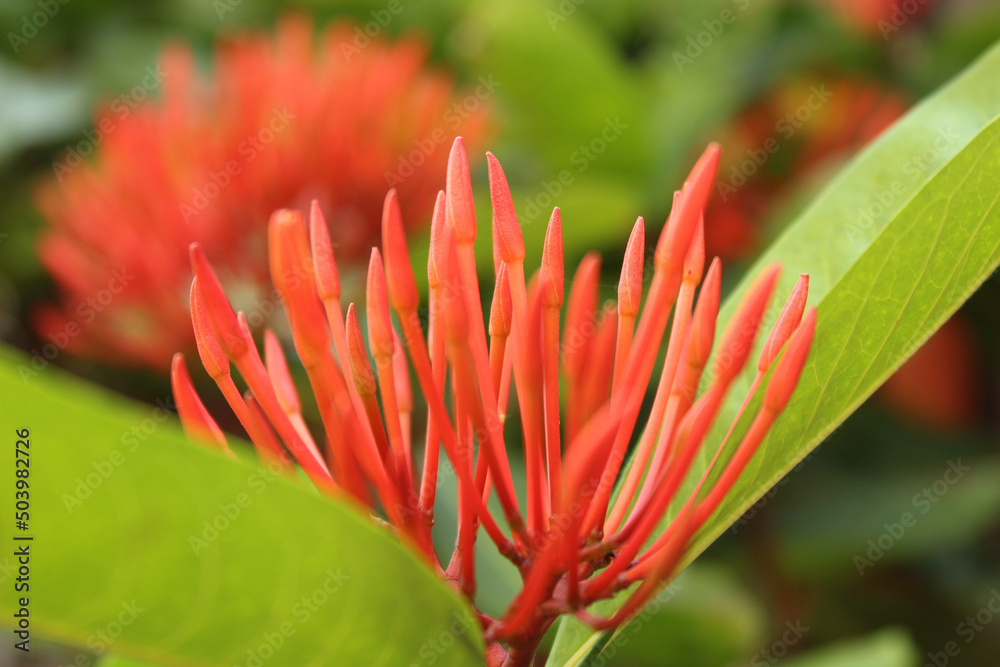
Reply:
x=818, y=573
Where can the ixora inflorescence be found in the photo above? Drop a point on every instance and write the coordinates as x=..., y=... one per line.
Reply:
x=575, y=541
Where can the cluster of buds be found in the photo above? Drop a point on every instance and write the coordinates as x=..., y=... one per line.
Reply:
x=575, y=541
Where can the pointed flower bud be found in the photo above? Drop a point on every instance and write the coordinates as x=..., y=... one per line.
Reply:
x=702, y=176
x=789, y=369
x=361, y=368
x=553, y=277
x=687, y=211
x=502, y=309
x=662, y=252
x=221, y=315
x=327, y=276
x=380, y=333
x=293, y=277
x=507, y=230
x=399, y=278
x=213, y=358
x=461, y=212
x=786, y=323
x=197, y=423
x=630, y=282
x=705, y=313
x=694, y=263
x=435, y=258
x=281, y=378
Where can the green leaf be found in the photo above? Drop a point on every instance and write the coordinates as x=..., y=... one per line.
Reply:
x=891, y=647
x=893, y=246
x=821, y=538
x=706, y=618
x=560, y=85
x=37, y=109
x=118, y=501
x=117, y=661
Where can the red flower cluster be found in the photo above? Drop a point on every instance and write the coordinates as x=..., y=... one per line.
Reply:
x=280, y=123
x=573, y=541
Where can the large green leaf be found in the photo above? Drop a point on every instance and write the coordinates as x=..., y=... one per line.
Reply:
x=119, y=498
x=893, y=246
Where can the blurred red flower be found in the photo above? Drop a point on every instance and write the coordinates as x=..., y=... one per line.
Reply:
x=940, y=386
x=878, y=16
x=280, y=122
x=779, y=142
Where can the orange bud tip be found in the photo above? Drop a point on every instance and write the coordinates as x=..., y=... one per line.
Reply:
x=705, y=314
x=501, y=310
x=399, y=277
x=327, y=276
x=281, y=378
x=241, y=319
x=221, y=315
x=361, y=369
x=630, y=282
x=292, y=273
x=213, y=357
x=282, y=241
x=506, y=229
x=694, y=262
x=789, y=368
x=380, y=333
x=703, y=175
x=553, y=271
x=687, y=211
x=788, y=320
x=197, y=423
x=586, y=278
x=461, y=212
x=662, y=252
x=435, y=258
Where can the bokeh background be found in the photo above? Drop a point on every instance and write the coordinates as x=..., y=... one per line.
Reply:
x=600, y=107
